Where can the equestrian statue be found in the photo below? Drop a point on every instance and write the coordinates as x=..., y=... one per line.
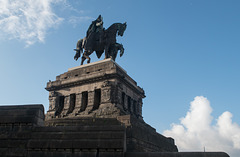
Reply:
x=100, y=40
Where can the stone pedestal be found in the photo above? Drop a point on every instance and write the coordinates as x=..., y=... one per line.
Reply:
x=104, y=90
x=101, y=89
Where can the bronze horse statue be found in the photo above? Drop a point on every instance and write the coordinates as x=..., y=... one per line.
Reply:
x=105, y=40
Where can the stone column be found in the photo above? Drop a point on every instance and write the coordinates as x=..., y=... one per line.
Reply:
x=90, y=101
x=114, y=95
x=140, y=104
x=118, y=98
x=106, y=95
x=125, y=102
x=130, y=104
x=66, y=105
x=52, y=107
x=132, y=110
x=52, y=103
x=72, y=103
x=119, y=88
x=78, y=103
x=135, y=108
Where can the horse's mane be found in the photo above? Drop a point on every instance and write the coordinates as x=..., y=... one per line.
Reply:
x=113, y=26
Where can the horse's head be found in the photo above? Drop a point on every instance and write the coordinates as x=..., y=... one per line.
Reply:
x=122, y=28
x=78, y=54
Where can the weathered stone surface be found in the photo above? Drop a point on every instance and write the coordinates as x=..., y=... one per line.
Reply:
x=141, y=137
x=22, y=115
x=101, y=89
x=62, y=137
x=178, y=154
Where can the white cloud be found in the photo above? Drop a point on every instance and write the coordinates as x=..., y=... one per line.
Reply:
x=75, y=20
x=196, y=130
x=27, y=20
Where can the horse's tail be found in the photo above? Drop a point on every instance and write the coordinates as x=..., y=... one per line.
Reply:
x=79, y=49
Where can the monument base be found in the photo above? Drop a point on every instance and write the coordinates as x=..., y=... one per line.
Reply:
x=74, y=137
x=104, y=90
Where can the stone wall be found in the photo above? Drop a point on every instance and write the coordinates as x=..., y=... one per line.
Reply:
x=179, y=154
x=74, y=137
x=30, y=137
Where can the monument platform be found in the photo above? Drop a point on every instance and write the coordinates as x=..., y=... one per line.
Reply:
x=74, y=137
x=104, y=90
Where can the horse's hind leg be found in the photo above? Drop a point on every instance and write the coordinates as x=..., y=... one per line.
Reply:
x=84, y=56
x=88, y=54
x=89, y=59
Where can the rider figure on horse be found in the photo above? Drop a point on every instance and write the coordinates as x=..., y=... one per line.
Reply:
x=95, y=30
x=96, y=26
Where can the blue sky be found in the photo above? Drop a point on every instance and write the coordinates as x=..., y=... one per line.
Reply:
x=179, y=51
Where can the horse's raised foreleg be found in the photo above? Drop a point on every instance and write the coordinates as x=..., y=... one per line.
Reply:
x=106, y=52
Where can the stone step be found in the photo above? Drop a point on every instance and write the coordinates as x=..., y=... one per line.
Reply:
x=76, y=144
x=78, y=128
x=78, y=135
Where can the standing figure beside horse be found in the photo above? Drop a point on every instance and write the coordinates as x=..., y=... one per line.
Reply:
x=99, y=40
